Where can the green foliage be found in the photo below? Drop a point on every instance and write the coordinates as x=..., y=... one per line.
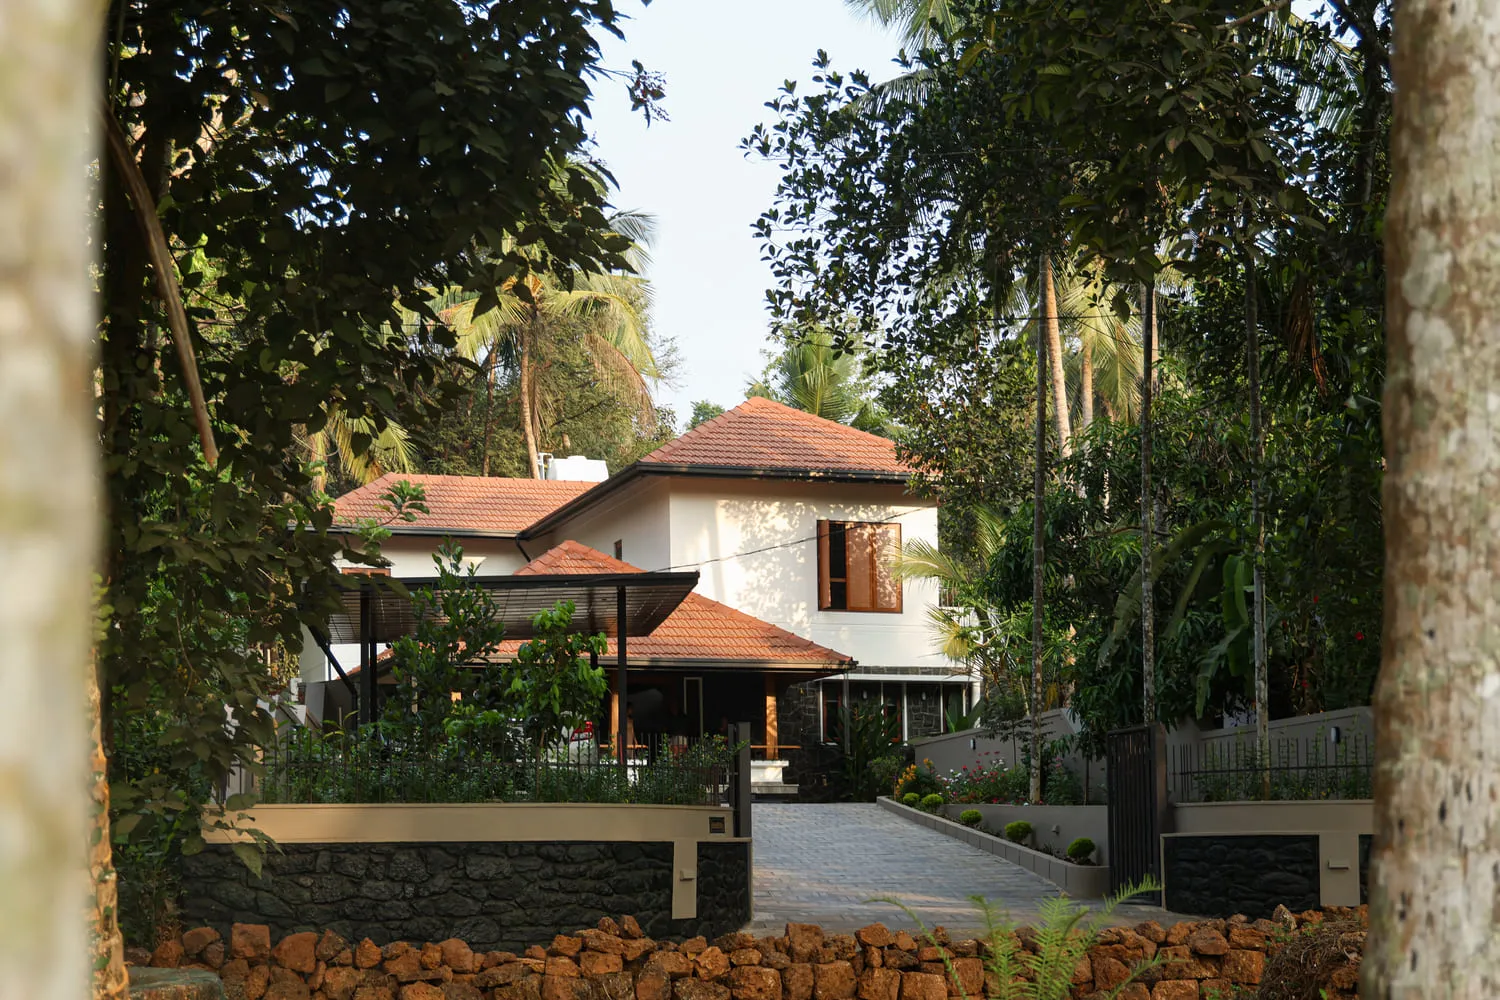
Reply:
x=1064, y=936
x=1061, y=786
x=1018, y=831
x=918, y=778
x=873, y=756
x=316, y=169
x=971, y=817
x=912, y=799
x=932, y=803
x=819, y=372
x=552, y=685
x=703, y=412
x=1128, y=139
x=457, y=624
x=1081, y=850
x=987, y=781
x=332, y=766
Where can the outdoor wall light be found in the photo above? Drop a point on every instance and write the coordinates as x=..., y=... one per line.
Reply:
x=1334, y=735
x=973, y=743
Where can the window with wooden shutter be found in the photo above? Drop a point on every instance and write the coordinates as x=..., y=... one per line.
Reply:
x=856, y=566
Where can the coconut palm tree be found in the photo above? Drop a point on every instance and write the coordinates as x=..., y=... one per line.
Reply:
x=814, y=375
x=605, y=313
x=389, y=450
x=919, y=21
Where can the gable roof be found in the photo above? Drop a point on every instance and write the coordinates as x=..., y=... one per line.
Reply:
x=759, y=439
x=762, y=434
x=463, y=505
x=700, y=631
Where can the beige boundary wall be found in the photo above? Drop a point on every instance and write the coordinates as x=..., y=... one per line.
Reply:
x=1337, y=824
x=436, y=823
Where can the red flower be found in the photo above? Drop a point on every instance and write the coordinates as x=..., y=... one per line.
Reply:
x=1304, y=682
x=1359, y=637
x=1315, y=598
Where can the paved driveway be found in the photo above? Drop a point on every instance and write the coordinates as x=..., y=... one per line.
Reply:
x=824, y=863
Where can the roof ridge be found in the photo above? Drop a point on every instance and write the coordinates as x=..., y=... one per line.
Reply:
x=766, y=433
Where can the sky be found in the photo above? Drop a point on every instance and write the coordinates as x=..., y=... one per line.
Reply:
x=722, y=61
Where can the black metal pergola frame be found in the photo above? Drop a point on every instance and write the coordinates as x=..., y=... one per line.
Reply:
x=618, y=604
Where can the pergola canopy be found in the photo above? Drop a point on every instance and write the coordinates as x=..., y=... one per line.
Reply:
x=649, y=599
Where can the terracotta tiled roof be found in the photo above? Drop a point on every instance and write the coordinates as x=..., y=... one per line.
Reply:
x=476, y=504
x=700, y=630
x=763, y=434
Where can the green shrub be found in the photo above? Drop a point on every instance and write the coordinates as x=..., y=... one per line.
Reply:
x=970, y=817
x=933, y=802
x=1018, y=832
x=1081, y=849
x=913, y=799
x=1061, y=786
x=919, y=778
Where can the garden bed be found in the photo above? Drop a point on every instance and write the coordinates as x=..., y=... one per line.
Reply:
x=1083, y=881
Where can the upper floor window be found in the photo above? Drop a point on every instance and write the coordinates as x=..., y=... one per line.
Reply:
x=856, y=566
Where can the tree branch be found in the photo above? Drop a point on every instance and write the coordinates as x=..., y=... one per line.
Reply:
x=167, y=288
x=1257, y=13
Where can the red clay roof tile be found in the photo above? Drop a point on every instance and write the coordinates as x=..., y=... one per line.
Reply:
x=700, y=630
x=763, y=434
x=482, y=504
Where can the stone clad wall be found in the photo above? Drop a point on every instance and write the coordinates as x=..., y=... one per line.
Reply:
x=1223, y=874
x=493, y=895
x=618, y=961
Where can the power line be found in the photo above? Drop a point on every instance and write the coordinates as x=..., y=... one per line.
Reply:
x=778, y=545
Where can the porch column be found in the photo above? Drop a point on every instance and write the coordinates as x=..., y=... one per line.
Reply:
x=622, y=626
x=366, y=658
x=773, y=750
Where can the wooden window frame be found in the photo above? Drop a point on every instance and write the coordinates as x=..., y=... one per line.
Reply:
x=878, y=566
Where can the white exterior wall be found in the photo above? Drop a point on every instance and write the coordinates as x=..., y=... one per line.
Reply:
x=755, y=544
x=411, y=555
x=637, y=516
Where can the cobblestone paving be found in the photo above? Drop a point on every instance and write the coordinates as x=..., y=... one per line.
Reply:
x=824, y=863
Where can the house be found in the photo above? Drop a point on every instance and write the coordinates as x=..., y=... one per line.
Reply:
x=792, y=523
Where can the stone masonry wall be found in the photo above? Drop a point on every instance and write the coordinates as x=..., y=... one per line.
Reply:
x=1223, y=874
x=1201, y=960
x=493, y=895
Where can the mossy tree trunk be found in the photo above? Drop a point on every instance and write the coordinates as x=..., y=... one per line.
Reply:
x=1435, y=894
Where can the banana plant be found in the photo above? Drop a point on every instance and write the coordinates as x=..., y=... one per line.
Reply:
x=1212, y=545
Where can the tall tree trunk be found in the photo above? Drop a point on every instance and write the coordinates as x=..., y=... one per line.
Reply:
x=318, y=446
x=1085, y=386
x=1148, y=533
x=1435, y=891
x=1053, y=332
x=489, y=412
x=1258, y=534
x=108, y=952
x=528, y=425
x=1038, y=555
x=49, y=499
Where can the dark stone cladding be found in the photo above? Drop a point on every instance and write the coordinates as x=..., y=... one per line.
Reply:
x=495, y=896
x=1221, y=875
x=1365, y=842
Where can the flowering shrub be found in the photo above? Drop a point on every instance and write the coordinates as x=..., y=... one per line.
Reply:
x=986, y=781
x=919, y=778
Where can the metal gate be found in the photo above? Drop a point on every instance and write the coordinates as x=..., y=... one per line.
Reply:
x=1137, y=763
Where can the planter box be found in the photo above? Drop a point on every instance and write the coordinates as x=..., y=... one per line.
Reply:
x=1082, y=881
x=1055, y=826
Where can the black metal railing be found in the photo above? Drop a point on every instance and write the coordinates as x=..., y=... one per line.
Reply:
x=306, y=767
x=1295, y=768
